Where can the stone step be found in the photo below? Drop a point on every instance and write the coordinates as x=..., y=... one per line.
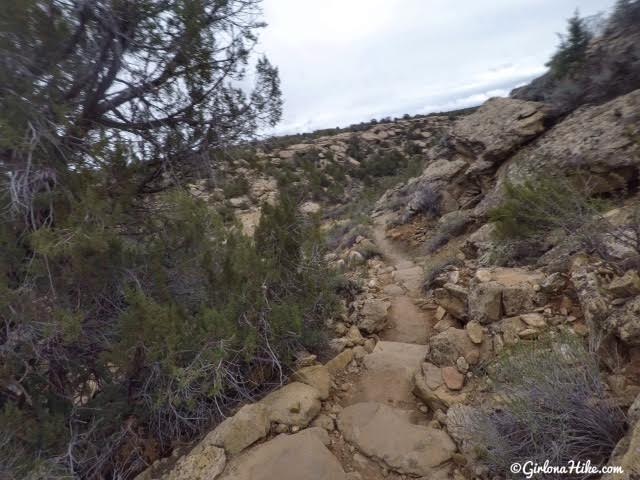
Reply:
x=388, y=373
x=387, y=433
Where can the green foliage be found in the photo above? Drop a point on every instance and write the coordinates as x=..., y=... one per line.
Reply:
x=573, y=48
x=382, y=164
x=235, y=187
x=536, y=207
x=131, y=326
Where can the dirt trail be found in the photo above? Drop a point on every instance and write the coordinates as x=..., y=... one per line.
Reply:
x=408, y=322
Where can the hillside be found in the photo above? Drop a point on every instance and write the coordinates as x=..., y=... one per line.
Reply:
x=445, y=296
x=500, y=270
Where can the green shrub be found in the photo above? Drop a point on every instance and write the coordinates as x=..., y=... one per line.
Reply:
x=572, y=51
x=128, y=327
x=235, y=187
x=383, y=164
x=536, y=207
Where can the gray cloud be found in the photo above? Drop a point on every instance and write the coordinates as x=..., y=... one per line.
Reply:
x=346, y=61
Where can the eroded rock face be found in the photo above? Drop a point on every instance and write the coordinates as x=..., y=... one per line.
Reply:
x=303, y=455
x=596, y=141
x=499, y=127
x=294, y=404
x=386, y=433
x=625, y=322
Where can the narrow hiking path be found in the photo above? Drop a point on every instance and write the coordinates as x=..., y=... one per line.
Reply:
x=380, y=416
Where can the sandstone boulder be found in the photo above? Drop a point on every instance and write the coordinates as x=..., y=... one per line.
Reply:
x=236, y=433
x=294, y=404
x=316, y=376
x=373, y=315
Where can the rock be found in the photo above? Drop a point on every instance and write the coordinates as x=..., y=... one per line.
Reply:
x=317, y=377
x=510, y=328
x=475, y=332
x=428, y=386
x=535, y=320
x=248, y=425
x=324, y=421
x=461, y=421
x=521, y=298
x=499, y=127
x=373, y=315
x=204, y=462
x=354, y=335
x=453, y=298
x=355, y=258
x=369, y=345
x=440, y=313
x=462, y=365
x=386, y=433
x=293, y=404
x=388, y=373
x=453, y=379
x=338, y=363
x=485, y=302
x=288, y=457
x=554, y=283
x=626, y=286
x=309, y=208
x=624, y=322
x=595, y=140
x=393, y=290
x=446, y=347
x=359, y=352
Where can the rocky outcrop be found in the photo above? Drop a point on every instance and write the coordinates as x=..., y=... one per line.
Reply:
x=597, y=143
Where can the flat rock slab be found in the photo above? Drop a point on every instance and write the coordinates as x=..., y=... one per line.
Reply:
x=386, y=433
x=288, y=457
x=388, y=374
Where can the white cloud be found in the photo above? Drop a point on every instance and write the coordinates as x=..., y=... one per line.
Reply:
x=346, y=61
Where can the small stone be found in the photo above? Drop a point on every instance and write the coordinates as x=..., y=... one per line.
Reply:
x=528, y=333
x=453, y=379
x=369, y=344
x=534, y=320
x=359, y=352
x=462, y=365
x=295, y=429
x=440, y=313
x=475, y=332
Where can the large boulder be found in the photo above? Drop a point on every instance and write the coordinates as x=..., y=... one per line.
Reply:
x=303, y=455
x=294, y=404
x=236, y=433
x=387, y=433
x=373, y=315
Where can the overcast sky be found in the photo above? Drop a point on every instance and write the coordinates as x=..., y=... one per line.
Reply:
x=347, y=61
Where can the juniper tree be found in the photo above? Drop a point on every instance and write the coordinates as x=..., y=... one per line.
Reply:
x=573, y=47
